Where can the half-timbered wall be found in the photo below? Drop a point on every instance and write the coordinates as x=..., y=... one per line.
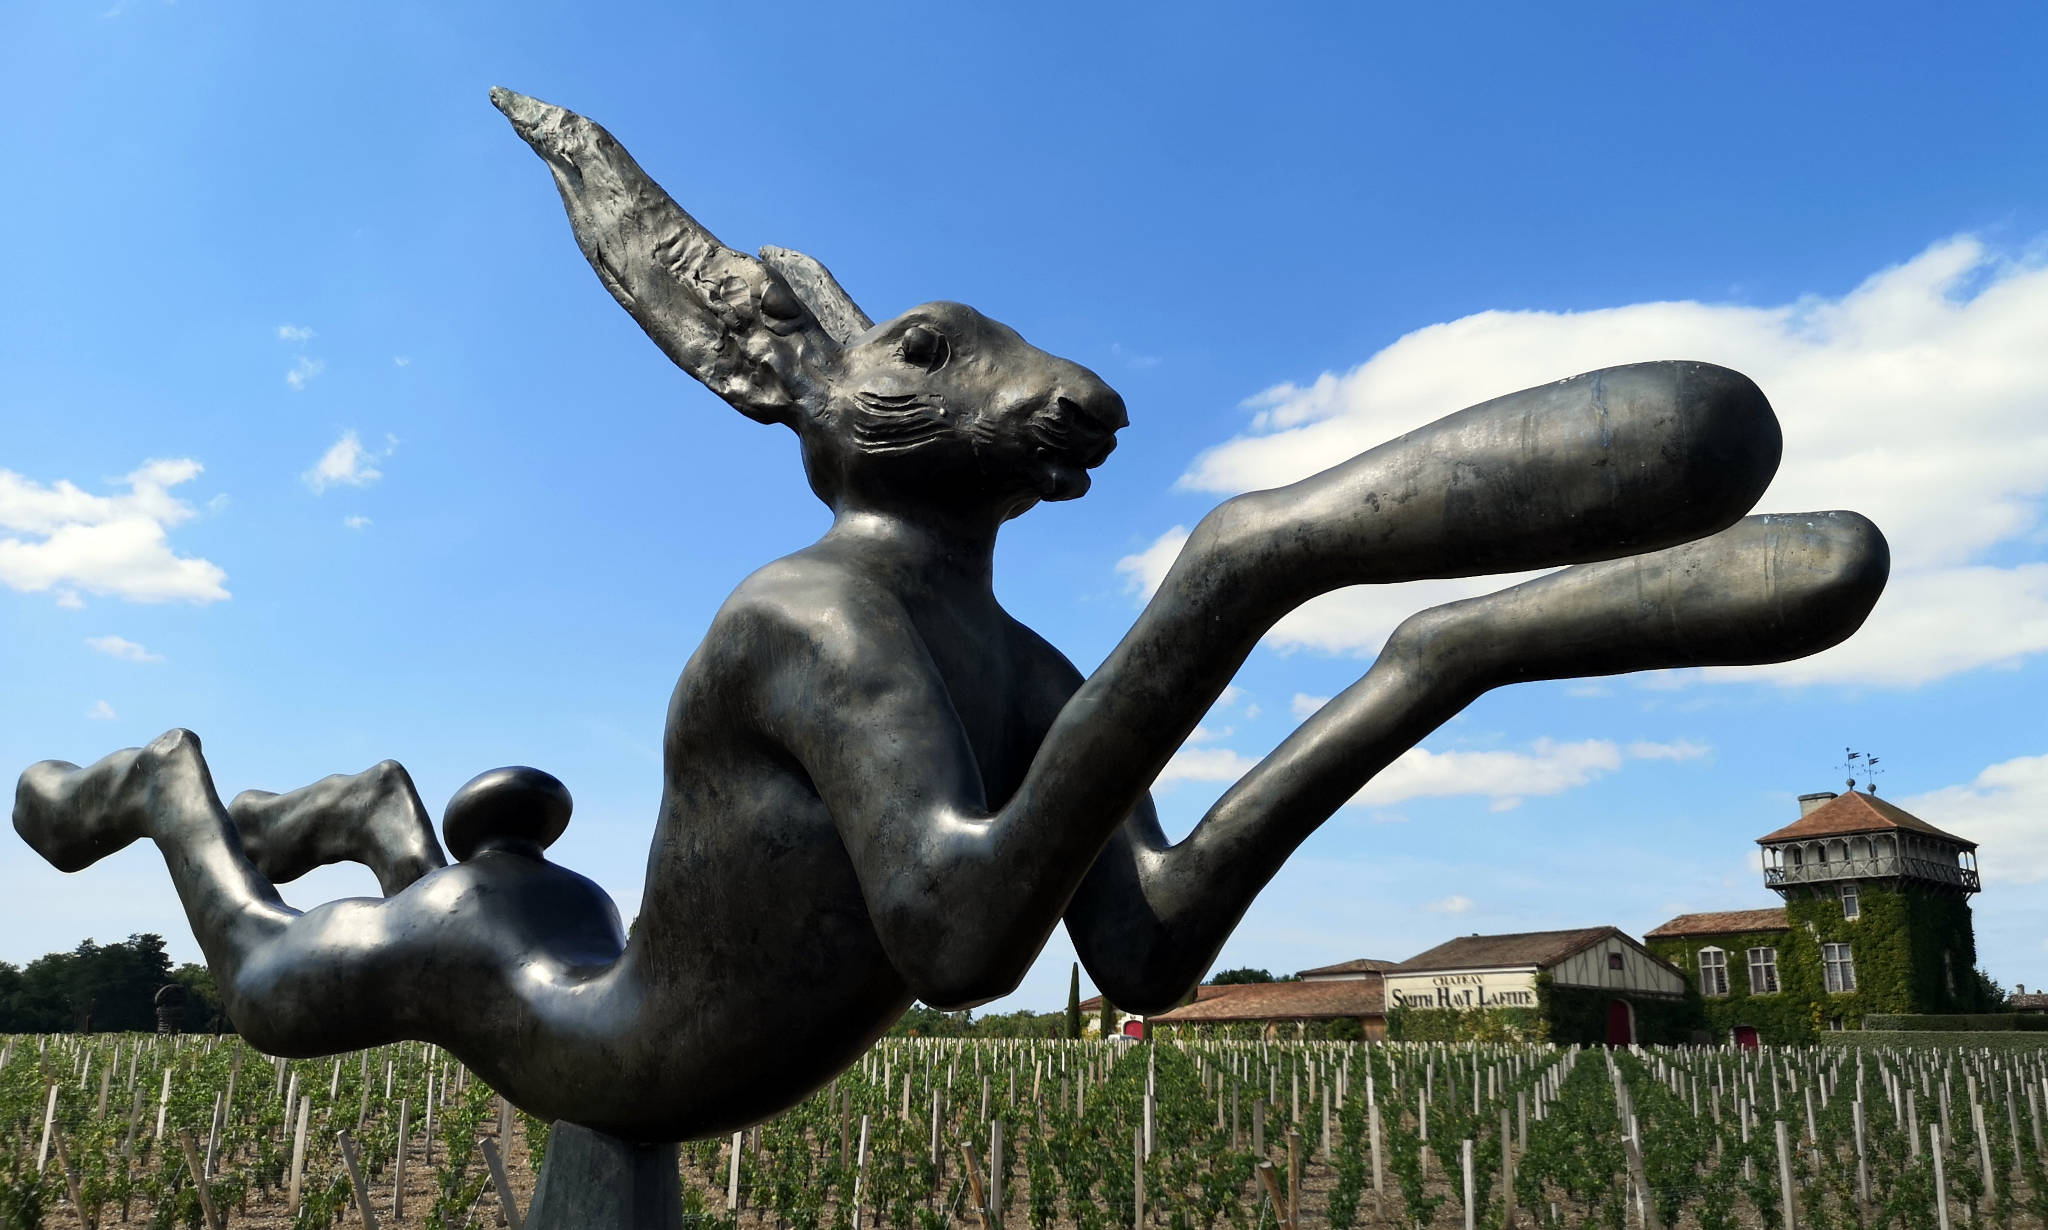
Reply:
x=1639, y=971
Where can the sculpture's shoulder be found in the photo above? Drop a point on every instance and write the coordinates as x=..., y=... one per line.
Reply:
x=807, y=607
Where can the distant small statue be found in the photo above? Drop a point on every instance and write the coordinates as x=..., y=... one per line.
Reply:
x=878, y=787
x=170, y=1008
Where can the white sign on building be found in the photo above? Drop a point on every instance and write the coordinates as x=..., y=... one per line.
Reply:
x=1478, y=988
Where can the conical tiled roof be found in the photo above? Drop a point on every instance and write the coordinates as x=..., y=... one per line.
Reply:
x=1856, y=812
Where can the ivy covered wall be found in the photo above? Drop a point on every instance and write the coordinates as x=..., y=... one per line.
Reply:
x=1898, y=943
x=1579, y=1014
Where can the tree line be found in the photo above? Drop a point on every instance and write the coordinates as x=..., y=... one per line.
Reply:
x=104, y=988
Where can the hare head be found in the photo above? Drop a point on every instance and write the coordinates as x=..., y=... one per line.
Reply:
x=941, y=409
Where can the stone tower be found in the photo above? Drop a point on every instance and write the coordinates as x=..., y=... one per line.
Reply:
x=1901, y=884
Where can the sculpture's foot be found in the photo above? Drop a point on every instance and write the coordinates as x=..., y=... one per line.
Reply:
x=75, y=817
x=591, y=1181
x=374, y=818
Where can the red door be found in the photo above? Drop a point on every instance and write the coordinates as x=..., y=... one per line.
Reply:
x=1745, y=1037
x=1619, y=1023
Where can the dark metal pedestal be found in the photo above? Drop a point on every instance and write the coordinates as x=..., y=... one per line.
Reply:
x=591, y=1181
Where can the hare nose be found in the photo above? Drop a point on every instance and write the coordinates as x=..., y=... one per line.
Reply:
x=1099, y=405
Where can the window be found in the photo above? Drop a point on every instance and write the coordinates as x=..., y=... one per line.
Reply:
x=1713, y=972
x=1763, y=971
x=1948, y=971
x=1613, y=960
x=1839, y=966
x=1850, y=907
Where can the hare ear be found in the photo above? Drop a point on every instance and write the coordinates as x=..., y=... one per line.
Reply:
x=821, y=292
x=722, y=316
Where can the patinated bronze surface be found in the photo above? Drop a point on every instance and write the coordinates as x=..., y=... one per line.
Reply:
x=880, y=787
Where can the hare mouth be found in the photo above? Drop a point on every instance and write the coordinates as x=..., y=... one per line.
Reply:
x=1073, y=439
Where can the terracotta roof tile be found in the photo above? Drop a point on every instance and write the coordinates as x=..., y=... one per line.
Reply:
x=1363, y=965
x=1092, y=1006
x=1723, y=922
x=1282, y=1001
x=1540, y=948
x=1856, y=812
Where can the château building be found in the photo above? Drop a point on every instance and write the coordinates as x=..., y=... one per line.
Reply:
x=1876, y=919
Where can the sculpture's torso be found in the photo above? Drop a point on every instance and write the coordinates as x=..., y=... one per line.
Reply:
x=747, y=859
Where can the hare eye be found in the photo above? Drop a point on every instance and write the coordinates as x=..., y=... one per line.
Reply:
x=925, y=347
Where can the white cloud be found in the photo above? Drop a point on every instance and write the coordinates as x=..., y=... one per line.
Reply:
x=1132, y=358
x=1916, y=398
x=1204, y=764
x=1505, y=777
x=123, y=648
x=1304, y=706
x=302, y=372
x=69, y=600
x=400, y=360
x=101, y=711
x=1456, y=903
x=66, y=539
x=2005, y=808
x=346, y=462
x=1143, y=572
x=1682, y=749
x=294, y=333
x=356, y=522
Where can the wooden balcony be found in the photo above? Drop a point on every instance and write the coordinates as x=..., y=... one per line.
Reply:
x=1873, y=868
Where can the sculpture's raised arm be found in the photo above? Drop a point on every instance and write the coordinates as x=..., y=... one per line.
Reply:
x=1151, y=916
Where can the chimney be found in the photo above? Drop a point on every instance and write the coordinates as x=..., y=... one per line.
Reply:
x=1808, y=802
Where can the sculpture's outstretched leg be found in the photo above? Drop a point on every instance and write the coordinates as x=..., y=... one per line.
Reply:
x=76, y=816
x=512, y=946
x=1151, y=916
x=374, y=818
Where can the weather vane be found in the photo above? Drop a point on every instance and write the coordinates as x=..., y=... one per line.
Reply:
x=1852, y=761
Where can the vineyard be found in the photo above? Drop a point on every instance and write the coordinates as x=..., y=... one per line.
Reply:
x=107, y=1130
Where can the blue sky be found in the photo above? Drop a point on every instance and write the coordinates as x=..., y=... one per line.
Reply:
x=318, y=437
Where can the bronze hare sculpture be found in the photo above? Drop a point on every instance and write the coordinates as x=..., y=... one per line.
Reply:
x=879, y=787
